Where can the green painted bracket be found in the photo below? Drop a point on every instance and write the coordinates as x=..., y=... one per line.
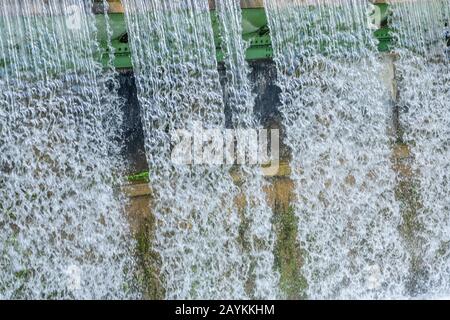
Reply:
x=383, y=34
x=255, y=32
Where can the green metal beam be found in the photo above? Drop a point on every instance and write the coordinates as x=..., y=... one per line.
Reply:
x=255, y=31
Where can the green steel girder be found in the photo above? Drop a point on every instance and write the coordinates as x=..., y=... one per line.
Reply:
x=255, y=31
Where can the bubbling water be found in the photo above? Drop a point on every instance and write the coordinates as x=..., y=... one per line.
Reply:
x=336, y=113
x=423, y=80
x=63, y=233
x=259, y=233
x=178, y=88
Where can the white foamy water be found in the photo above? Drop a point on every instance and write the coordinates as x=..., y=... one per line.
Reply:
x=259, y=235
x=366, y=230
x=63, y=233
x=336, y=112
x=178, y=88
x=423, y=79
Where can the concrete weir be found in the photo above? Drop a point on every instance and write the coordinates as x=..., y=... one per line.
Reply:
x=122, y=169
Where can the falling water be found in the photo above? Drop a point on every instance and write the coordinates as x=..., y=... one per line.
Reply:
x=336, y=112
x=259, y=233
x=62, y=229
x=178, y=88
x=424, y=105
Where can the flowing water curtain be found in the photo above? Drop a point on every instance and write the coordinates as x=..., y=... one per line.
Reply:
x=63, y=230
x=336, y=113
x=421, y=37
x=258, y=233
x=178, y=88
x=112, y=112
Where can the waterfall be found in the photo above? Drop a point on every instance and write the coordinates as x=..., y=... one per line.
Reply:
x=197, y=227
x=369, y=155
x=336, y=113
x=63, y=233
x=257, y=215
x=424, y=112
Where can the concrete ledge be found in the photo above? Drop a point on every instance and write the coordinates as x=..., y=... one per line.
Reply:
x=400, y=153
x=115, y=6
x=142, y=188
x=245, y=4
